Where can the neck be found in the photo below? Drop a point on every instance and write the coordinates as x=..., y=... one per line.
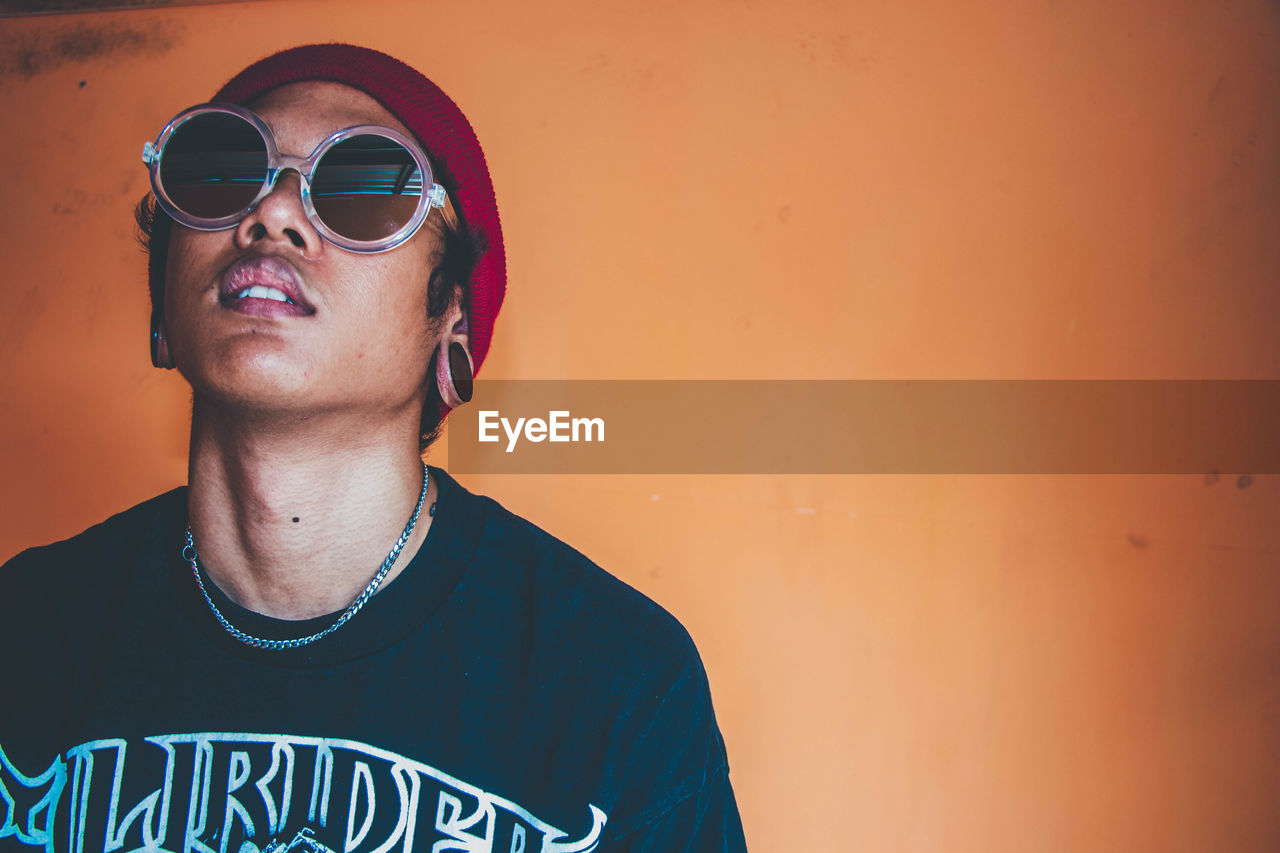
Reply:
x=293, y=525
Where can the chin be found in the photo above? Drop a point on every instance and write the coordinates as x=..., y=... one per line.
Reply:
x=263, y=381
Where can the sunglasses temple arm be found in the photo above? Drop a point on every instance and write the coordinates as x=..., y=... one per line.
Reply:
x=406, y=172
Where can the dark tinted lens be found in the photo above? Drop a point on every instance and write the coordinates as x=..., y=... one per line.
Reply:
x=366, y=187
x=214, y=165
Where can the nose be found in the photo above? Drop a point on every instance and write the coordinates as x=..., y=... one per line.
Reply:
x=280, y=218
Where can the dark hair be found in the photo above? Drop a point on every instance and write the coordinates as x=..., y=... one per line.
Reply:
x=460, y=248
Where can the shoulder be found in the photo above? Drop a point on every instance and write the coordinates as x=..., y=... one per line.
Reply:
x=563, y=589
x=623, y=669
x=59, y=601
x=69, y=585
x=80, y=558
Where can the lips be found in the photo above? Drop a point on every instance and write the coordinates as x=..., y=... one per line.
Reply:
x=265, y=286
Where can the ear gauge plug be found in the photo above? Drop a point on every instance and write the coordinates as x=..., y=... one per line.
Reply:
x=454, y=374
x=160, y=356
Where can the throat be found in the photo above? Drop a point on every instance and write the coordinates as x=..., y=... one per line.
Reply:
x=355, y=539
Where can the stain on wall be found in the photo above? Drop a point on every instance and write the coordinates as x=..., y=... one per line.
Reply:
x=26, y=55
x=14, y=8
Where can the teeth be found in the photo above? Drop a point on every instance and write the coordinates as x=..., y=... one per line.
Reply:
x=261, y=291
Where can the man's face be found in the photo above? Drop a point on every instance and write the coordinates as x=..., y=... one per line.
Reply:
x=358, y=338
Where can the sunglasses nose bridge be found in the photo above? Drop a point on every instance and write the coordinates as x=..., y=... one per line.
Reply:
x=282, y=212
x=279, y=172
x=300, y=166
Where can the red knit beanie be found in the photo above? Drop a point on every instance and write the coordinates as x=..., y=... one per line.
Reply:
x=451, y=145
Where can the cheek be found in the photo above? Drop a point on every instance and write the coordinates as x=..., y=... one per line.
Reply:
x=190, y=252
x=398, y=328
x=403, y=293
x=184, y=282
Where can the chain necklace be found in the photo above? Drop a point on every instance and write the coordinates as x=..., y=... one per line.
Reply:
x=189, y=554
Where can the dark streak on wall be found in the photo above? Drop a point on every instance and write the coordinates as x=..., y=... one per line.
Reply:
x=14, y=8
x=28, y=55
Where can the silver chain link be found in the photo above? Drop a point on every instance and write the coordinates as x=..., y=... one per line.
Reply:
x=189, y=554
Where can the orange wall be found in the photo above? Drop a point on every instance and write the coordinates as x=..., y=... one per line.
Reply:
x=742, y=189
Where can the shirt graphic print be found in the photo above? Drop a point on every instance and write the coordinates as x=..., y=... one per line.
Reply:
x=218, y=792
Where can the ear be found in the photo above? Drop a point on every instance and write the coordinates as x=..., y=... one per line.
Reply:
x=160, y=355
x=454, y=367
x=454, y=325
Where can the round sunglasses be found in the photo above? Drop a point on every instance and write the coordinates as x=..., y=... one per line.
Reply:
x=362, y=187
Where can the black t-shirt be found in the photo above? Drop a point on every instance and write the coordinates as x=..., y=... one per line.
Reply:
x=501, y=694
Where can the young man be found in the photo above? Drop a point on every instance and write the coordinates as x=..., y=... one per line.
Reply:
x=320, y=644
